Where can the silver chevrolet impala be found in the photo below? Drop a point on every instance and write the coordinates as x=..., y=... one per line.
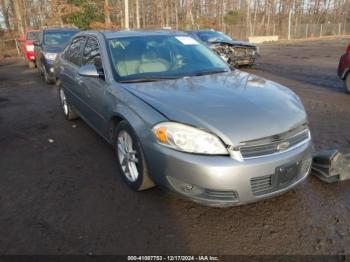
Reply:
x=180, y=118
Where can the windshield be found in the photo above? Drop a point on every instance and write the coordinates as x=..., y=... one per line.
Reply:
x=213, y=37
x=33, y=35
x=58, y=37
x=161, y=57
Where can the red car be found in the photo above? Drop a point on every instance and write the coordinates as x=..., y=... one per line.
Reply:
x=28, y=47
x=344, y=68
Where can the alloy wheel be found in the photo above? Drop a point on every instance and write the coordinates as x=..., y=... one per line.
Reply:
x=63, y=102
x=127, y=155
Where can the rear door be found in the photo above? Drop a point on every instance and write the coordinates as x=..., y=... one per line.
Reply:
x=93, y=90
x=68, y=71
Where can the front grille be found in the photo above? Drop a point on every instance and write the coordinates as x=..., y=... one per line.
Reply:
x=273, y=145
x=239, y=51
x=250, y=51
x=244, y=51
x=261, y=185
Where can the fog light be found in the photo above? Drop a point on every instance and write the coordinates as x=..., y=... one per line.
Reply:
x=184, y=188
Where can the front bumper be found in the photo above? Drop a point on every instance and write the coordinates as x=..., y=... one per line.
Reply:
x=30, y=56
x=221, y=180
x=344, y=66
x=49, y=67
x=244, y=61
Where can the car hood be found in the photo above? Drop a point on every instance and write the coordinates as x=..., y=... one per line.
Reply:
x=53, y=49
x=236, y=106
x=232, y=42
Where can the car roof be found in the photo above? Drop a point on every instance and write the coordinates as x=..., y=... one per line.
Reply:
x=126, y=33
x=203, y=31
x=33, y=30
x=54, y=29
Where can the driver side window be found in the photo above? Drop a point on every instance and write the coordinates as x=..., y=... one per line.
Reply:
x=73, y=51
x=91, y=54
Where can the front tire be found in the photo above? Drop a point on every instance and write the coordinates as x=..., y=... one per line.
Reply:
x=31, y=64
x=347, y=83
x=48, y=80
x=66, y=108
x=130, y=158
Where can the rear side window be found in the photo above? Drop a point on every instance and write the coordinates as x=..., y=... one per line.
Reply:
x=57, y=38
x=91, y=54
x=34, y=35
x=73, y=51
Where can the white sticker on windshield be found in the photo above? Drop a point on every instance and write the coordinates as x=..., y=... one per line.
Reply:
x=186, y=40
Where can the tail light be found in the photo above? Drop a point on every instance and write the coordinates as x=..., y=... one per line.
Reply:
x=348, y=49
x=30, y=48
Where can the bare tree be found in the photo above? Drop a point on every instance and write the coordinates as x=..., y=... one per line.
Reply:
x=17, y=7
x=5, y=10
x=137, y=14
x=107, y=14
x=126, y=14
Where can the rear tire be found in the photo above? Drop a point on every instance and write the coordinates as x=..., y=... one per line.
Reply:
x=347, y=83
x=66, y=108
x=130, y=158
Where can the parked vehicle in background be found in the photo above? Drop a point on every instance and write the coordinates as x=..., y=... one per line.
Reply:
x=236, y=53
x=51, y=42
x=344, y=68
x=179, y=117
x=27, y=46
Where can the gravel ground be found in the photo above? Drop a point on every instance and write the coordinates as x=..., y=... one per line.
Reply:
x=60, y=191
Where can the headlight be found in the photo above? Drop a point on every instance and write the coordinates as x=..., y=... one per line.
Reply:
x=188, y=139
x=224, y=57
x=50, y=56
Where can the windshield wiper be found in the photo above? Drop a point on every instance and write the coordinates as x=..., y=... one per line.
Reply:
x=149, y=79
x=210, y=72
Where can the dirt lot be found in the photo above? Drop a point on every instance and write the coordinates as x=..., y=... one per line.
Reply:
x=66, y=197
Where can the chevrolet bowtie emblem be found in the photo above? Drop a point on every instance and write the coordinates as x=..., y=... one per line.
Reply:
x=283, y=146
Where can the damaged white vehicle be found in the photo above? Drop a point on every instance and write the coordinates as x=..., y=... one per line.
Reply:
x=234, y=52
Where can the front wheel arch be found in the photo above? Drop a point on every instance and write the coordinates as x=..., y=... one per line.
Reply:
x=113, y=123
x=145, y=181
x=347, y=82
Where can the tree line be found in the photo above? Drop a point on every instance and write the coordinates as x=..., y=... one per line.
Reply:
x=253, y=16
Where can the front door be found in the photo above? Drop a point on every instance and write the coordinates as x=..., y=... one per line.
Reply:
x=93, y=90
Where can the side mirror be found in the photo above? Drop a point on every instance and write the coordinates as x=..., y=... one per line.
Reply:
x=36, y=43
x=90, y=71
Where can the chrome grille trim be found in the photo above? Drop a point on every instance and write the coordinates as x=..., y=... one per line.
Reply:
x=254, y=149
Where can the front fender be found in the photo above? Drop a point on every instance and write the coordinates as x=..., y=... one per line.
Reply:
x=140, y=115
